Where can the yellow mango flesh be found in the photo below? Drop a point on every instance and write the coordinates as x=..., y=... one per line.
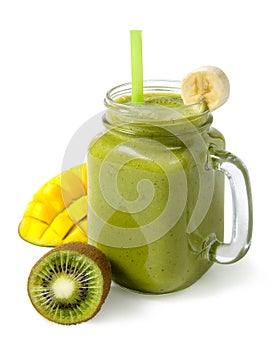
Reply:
x=58, y=212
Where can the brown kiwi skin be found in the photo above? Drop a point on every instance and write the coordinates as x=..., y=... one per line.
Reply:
x=94, y=254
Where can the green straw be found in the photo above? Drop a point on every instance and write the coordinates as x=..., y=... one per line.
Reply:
x=137, y=69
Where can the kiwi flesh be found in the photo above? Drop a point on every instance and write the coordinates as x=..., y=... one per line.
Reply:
x=69, y=284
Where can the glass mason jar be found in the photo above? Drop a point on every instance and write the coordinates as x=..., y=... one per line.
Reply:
x=156, y=190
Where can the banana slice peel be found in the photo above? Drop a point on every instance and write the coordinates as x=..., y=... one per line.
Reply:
x=206, y=83
x=58, y=212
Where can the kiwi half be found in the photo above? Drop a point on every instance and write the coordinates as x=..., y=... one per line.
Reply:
x=69, y=284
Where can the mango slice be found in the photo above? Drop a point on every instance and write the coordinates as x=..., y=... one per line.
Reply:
x=57, y=213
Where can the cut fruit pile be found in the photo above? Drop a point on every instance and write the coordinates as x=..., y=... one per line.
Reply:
x=58, y=212
x=69, y=284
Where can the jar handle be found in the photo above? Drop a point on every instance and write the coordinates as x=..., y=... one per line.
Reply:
x=236, y=173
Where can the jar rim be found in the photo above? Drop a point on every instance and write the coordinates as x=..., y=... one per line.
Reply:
x=124, y=88
x=120, y=112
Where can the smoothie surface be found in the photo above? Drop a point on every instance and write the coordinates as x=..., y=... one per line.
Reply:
x=167, y=100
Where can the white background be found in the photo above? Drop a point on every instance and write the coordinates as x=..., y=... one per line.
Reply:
x=57, y=60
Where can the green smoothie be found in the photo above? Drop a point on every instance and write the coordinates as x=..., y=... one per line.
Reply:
x=154, y=207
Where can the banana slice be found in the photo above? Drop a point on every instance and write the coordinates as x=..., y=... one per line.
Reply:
x=208, y=83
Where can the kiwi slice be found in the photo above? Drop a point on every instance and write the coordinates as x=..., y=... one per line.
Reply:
x=69, y=284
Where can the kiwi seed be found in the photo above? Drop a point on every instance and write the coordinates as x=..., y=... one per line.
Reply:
x=69, y=284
